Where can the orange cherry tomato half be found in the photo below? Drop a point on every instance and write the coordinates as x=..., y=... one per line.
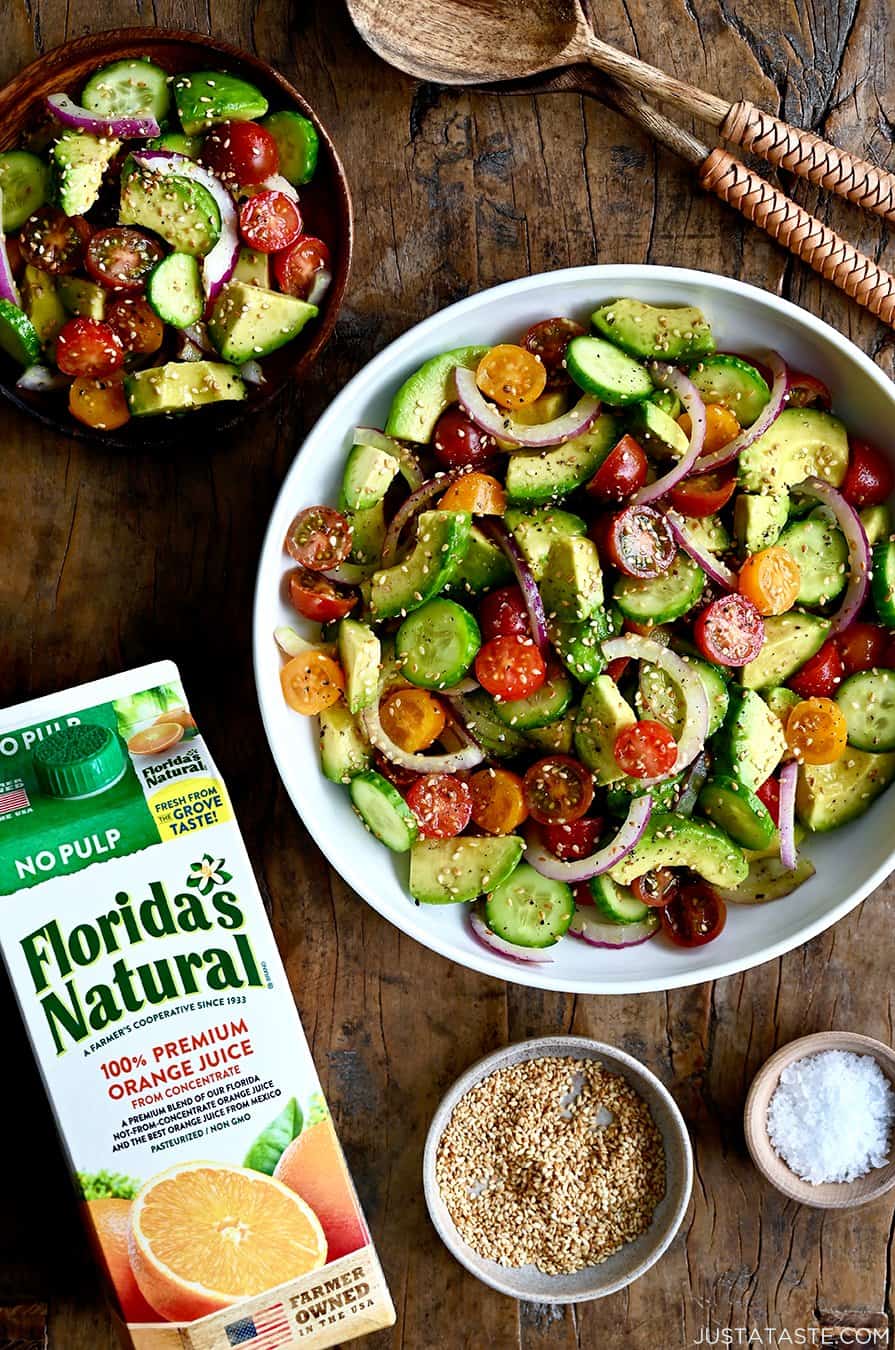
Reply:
x=510, y=667
x=721, y=427
x=441, y=803
x=511, y=376
x=498, y=804
x=478, y=493
x=100, y=404
x=771, y=579
x=312, y=682
x=412, y=718
x=558, y=789
x=816, y=731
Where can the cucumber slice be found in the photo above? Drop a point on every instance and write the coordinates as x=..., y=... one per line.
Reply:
x=174, y=290
x=661, y=599
x=18, y=336
x=447, y=871
x=822, y=554
x=479, y=712
x=298, y=144
x=24, y=186
x=547, y=705
x=616, y=902
x=733, y=382
x=882, y=581
x=437, y=644
x=867, y=700
x=530, y=910
x=131, y=88
x=601, y=369
x=383, y=810
x=736, y=809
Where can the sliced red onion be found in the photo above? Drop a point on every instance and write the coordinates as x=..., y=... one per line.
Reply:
x=497, y=530
x=464, y=686
x=188, y=351
x=277, y=183
x=669, y=377
x=252, y=373
x=407, y=510
x=320, y=285
x=859, y=564
x=499, y=424
x=197, y=333
x=589, y=928
x=769, y=413
x=42, y=380
x=678, y=669
x=527, y=955
x=70, y=114
x=8, y=288
x=219, y=265
x=467, y=758
x=584, y=868
x=409, y=464
x=692, y=785
x=713, y=567
x=789, y=776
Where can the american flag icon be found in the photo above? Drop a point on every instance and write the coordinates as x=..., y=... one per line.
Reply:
x=13, y=797
x=265, y=1331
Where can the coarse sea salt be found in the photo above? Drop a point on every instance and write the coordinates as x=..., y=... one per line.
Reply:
x=830, y=1116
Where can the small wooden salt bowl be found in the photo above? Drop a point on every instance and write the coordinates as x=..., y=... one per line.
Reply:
x=832, y=1194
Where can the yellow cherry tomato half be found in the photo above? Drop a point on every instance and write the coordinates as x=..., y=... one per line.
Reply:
x=771, y=579
x=311, y=682
x=100, y=404
x=816, y=731
x=721, y=426
x=510, y=376
x=412, y=718
x=498, y=803
x=477, y=493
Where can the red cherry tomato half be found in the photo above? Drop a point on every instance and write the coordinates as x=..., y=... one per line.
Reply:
x=510, y=667
x=558, y=790
x=861, y=646
x=442, y=805
x=240, y=153
x=821, y=673
x=622, y=472
x=548, y=341
x=704, y=494
x=54, y=242
x=121, y=258
x=656, y=888
x=583, y=897
x=729, y=631
x=458, y=443
x=297, y=267
x=574, y=839
x=695, y=916
x=870, y=478
x=639, y=542
x=645, y=749
x=316, y=598
x=88, y=347
x=401, y=778
x=889, y=654
x=503, y=613
x=769, y=793
x=319, y=538
x=805, y=389
x=269, y=221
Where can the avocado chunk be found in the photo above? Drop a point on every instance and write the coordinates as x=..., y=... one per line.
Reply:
x=343, y=751
x=759, y=519
x=248, y=323
x=536, y=531
x=708, y=532
x=369, y=473
x=658, y=432
x=253, y=268
x=751, y=742
x=181, y=211
x=672, y=840
x=602, y=715
x=84, y=299
x=178, y=386
x=768, y=879
x=79, y=161
x=441, y=542
x=41, y=302
x=423, y=397
x=789, y=640
x=799, y=444
x=649, y=331
x=367, y=533
x=536, y=477
x=485, y=566
x=556, y=738
x=544, y=409
x=830, y=795
x=572, y=585
x=205, y=97
x=361, y=656
x=877, y=522
x=446, y=871
x=781, y=702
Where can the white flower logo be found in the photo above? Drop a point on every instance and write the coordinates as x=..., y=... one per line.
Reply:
x=208, y=873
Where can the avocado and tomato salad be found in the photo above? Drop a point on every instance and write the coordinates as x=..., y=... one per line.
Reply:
x=607, y=626
x=153, y=249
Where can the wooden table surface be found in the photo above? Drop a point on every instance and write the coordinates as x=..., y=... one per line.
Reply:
x=108, y=561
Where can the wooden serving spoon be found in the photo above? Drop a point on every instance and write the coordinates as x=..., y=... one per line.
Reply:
x=481, y=41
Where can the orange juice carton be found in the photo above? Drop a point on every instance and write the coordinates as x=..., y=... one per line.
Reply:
x=212, y=1183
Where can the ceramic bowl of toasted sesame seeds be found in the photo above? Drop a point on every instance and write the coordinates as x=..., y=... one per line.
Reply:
x=558, y=1170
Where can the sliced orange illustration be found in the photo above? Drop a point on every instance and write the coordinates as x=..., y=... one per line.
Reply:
x=153, y=740
x=205, y=1235
x=313, y=1166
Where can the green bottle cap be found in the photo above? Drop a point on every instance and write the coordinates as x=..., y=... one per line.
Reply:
x=79, y=761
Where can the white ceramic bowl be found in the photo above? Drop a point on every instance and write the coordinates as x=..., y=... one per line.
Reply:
x=850, y=862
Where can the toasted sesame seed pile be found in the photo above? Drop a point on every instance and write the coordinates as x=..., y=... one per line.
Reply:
x=553, y=1163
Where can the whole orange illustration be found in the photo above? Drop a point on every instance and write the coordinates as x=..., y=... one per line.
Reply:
x=313, y=1166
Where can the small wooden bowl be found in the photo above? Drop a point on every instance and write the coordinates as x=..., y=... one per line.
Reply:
x=325, y=204
x=832, y=1194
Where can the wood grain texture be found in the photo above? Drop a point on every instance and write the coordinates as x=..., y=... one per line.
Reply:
x=107, y=561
